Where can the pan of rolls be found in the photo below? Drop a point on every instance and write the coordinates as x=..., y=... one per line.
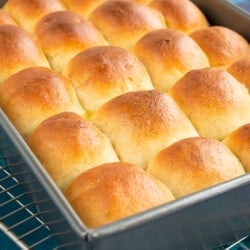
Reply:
x=135, y=110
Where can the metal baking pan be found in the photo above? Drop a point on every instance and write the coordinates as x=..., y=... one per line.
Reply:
x=203, y=220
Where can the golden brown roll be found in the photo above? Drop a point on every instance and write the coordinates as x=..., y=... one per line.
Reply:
x=241, y=71
x=67, y=144
x=141, y=123
x=101, y=73
x=64, y=34
x=32, y=95
x=82, y=7
x=182, y=15
x=145, y=2
x=215, y=102
x=124, y=22
x=18, y=50
x=28, y=12
x=110, y=192
x=168, y=55
x=6, y=18
x=239, y=143
x=222, y=45
x=192, y=164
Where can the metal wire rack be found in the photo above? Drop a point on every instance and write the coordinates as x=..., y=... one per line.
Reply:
x=20, y=217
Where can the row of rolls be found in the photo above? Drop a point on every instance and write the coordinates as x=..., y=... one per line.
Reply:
x=127, y=104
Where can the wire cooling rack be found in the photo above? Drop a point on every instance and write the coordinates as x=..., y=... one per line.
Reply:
x=20, y=218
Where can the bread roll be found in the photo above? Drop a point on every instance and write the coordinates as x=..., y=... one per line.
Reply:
x=141, y=123
x=192, y=164
x=18, y=50
x=28, y=12
x=5, y=18
x=168, y=55
x=239, y=142
x=82, y=7
x=215, y=102
x=64, y=34
x=110, y=192
x=32, y=95
x=67, y=144
x=241, y=71
x=124, y=22
x=85, y=7
x=222, y=45
x=182, y=15
x=108, y=72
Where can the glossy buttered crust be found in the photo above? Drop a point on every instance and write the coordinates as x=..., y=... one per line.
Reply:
x=114, y=191
x=27, y=12
x=192, y=164
x=222, y=45
x=124, y=22
x=180, y=14
x=141, y=123
x=101, y=73
x=34, y=94
x=64, y=34
x=241, y=71
x=169, y=54
x=215, y=102
x=239, y=143
x=18, y=50
x=67, y=144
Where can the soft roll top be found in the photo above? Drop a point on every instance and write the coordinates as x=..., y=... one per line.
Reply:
x=192, y=164
x=124, y=22
x=168, y=55
x=64, y=34
x=222, y=45
x=28, y=12
x=180, y=14
x=215, y=102
x=114, y=191
x=239, y=142
x=34, y=94
x=101, y=73
x=241, y=71
x=67, y=144
x=18, y=50
x=141, y=123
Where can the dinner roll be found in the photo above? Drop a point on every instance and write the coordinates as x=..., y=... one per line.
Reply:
x=6, y=18
x=32, y=95
x=141, y=123
x=183, y=15
x=64, y=34
x=222, y=45
x=67, y=144
x=241, y=71
x=82, y=7
x=192, y=164
x=215, y=102
x=113, y=191
x=28, y=12
x=124, y=22
x=18, y=50
x=168, y=55
x=108, y=71
x=239, y=142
